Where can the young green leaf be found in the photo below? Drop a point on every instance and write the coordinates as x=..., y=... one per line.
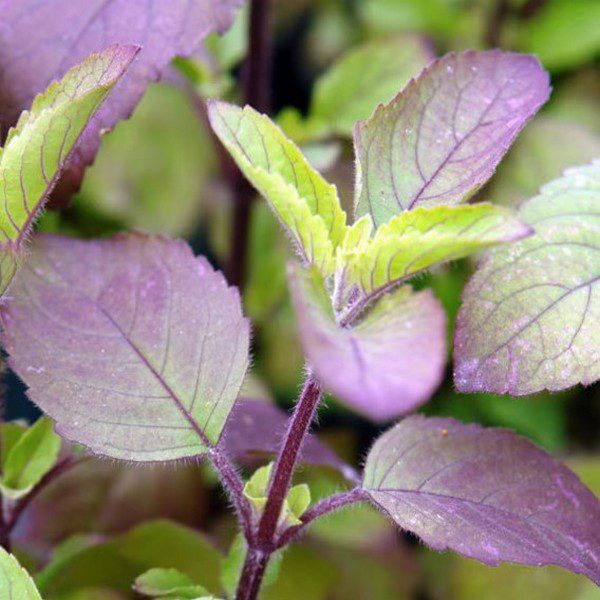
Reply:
x=169, y=583
x=440, y=139
x=384, y=366
x=40, y=41
x=415, y=240
x=135, y=347
x=305, y=203
x=29, y=459
x=531, y=313
x=367, y=75
x=15, y=582
x=486, y=493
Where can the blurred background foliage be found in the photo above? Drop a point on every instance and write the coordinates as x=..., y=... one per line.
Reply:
x=333, y=61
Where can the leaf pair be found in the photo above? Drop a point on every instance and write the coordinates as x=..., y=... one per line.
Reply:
x=38, y=147
x=434, y=144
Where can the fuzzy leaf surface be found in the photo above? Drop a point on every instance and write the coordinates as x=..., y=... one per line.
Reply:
x=134, y=346
x=415, y=240
x=15, y=582
x=440, y=139
x=487, y=494
x=304, y=202
x=29, y=459
x=41, y=40
x=38, y=147
x=530, y=318
x=367, y=75
x=384, y=366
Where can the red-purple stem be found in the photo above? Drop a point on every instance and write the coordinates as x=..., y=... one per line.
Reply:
x=264, y=543
x=325, y=506
x=256, y=78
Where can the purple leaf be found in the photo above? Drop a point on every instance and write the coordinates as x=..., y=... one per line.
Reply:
x=255, y=429
x=485, y=493
x=41, y=39
x=136, y=348
x=384, y=366
x=530, y=315
x=440, y=139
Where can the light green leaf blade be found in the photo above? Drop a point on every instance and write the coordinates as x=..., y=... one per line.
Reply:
x=530, y=318
x=15, y=582
x=305, y=203
x=364, y=77
x=38, y=146
x=161, y=583
x=296, y=503
x=415, y=240
x=31, y=457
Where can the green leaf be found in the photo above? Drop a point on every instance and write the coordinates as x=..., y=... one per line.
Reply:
x=305, y=203
x=155, y=544
x=415, y=240
x=563, y=34
x=15, y=582
x=168, y=583
x=9, y=436
x=29, y=459
x=530, y=314
x=38, y=146
x=257, y=486
x=297, y=501
x=364, y=77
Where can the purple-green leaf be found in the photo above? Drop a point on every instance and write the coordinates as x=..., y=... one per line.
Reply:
x=485, y=493
x=135, y=347
x=440, y=139
x=41, y=39
x=255, y=430
x=386, y=364
x=530, y=318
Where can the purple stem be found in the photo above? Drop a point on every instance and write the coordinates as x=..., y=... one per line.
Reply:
x=234, y=484
x=325, y=506
x=264, y=544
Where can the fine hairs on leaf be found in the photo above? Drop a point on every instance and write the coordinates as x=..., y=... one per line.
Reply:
x=37, y=149
x=137, y=349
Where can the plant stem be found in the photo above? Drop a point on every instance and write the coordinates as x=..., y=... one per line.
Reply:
x=234, y=484
x=324, y=507
x=257, y=85
x=252, y=574
x=264, y=543
x=286, y=461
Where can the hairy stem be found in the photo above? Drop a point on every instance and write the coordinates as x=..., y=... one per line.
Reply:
x=252, y=574
x=264, y=543
x=321, y=508
x=257, y=88
x=283, y=470
x=234, y=485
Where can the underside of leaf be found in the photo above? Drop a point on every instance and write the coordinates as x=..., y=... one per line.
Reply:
x=530, y=318
x=136, y=348
x=485, y=493
x=440, y=139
